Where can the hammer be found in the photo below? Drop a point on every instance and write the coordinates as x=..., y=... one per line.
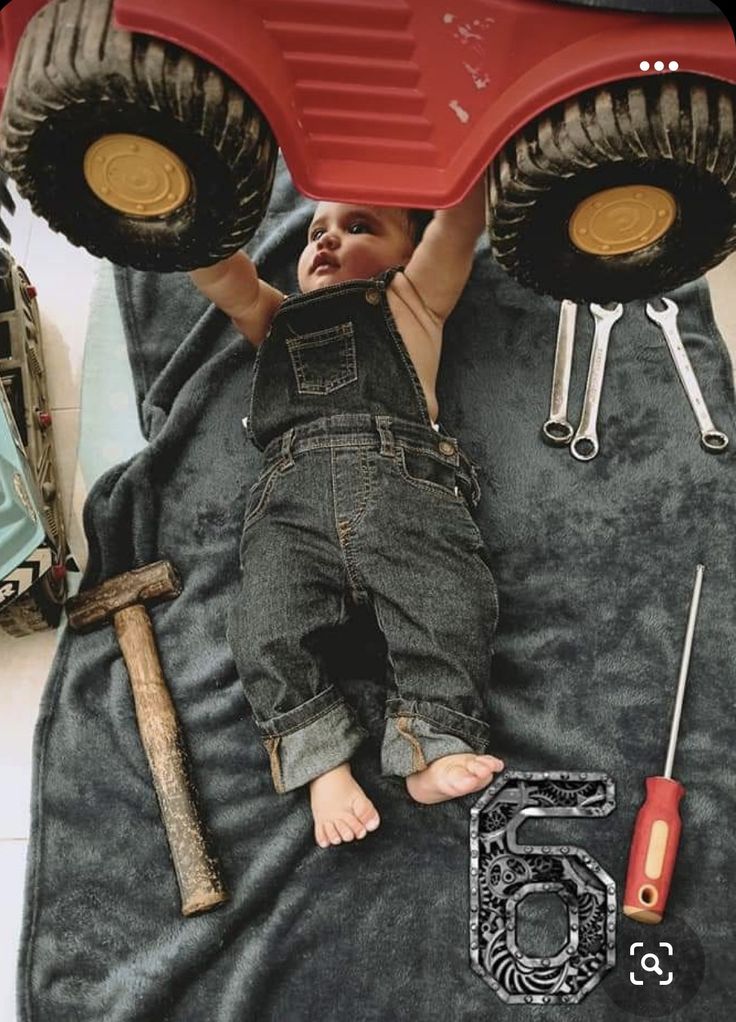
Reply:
x=122, y=598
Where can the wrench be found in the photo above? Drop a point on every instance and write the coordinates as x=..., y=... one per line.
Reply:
x=557, y=430
x=584, y=445
x=712, y=440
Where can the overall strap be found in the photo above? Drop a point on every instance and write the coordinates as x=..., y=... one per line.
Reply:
x=388, y=275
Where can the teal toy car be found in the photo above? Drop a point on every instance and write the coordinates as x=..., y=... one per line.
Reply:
x=33, y=546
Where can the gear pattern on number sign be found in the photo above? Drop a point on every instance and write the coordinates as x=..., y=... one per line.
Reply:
x=503, y=872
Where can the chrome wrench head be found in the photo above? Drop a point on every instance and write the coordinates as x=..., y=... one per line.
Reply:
x=663, y=317
x=557, y=431
x=666, y=320
x=584, y=445
x=712, y=440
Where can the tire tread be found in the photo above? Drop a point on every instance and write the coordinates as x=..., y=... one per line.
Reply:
x=72, y=52
x=36, y=610
x=680, y=119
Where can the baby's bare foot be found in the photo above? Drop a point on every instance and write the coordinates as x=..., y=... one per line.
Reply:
x=452, y=777
x=341, y=809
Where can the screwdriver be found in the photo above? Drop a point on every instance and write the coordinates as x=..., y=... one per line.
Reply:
x=657, y=828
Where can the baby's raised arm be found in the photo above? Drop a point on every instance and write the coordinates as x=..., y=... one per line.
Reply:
x=441, y=263
x=235, y=287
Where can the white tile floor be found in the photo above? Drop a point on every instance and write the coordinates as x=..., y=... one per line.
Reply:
x=64, y=277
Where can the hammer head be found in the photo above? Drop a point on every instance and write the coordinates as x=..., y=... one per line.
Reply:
x=157, y=581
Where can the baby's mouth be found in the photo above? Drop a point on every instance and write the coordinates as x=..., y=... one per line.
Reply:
x=323, y=261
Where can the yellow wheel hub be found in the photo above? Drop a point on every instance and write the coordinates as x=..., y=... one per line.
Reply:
x=622, y=220
x=136, y=175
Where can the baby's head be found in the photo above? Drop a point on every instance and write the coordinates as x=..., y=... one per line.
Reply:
x=346, y=241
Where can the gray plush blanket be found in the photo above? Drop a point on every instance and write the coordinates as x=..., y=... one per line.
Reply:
x=594, y=564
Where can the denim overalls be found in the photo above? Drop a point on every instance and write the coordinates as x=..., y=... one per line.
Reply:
x=360, y=500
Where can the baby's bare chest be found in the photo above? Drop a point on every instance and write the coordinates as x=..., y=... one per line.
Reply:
x=420, y=332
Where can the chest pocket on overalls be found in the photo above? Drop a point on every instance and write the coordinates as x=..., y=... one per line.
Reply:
x=324, y=361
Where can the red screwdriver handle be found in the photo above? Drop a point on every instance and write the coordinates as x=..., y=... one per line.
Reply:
x=653, y=850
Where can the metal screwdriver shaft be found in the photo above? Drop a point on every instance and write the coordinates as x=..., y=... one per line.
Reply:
x=657, y=827
x=684, y=667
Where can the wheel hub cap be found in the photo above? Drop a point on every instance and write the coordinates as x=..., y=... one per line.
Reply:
x=136, y=175
x=621, y=220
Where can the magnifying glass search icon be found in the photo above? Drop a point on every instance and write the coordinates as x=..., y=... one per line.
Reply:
x=656, y=967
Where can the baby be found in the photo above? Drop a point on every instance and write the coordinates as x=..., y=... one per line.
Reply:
x=363, y=498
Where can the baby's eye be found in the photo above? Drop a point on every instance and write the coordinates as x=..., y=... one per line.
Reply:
x=359, y=227
x=316, y=233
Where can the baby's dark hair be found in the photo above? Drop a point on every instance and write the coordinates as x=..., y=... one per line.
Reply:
x=417, y=220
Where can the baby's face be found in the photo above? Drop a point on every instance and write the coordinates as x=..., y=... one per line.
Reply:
x=348, y=242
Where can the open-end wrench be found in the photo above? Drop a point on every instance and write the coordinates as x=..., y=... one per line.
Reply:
x=557, y=430
x=712, y=440
x=584, y=445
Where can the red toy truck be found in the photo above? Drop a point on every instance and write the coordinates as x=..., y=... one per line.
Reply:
x=148, y=132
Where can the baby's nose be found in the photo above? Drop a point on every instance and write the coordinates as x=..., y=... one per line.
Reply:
x=328, y=240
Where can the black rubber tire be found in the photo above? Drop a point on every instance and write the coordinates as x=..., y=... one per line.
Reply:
x=675, y=131
x=77, y=77
x=35, y=610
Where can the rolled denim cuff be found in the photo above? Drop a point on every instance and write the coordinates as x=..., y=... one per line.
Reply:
x=417, y=733
x=309, y=740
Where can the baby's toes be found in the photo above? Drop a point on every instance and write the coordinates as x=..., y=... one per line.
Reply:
x=345, y=829
x=481, y=767
x=332, y=833
x=357, y=826
x=320, y=836
x=366, y=813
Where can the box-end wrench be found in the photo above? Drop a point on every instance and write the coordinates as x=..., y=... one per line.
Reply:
x=712, y=440
x=557, y=430
x=584, y=445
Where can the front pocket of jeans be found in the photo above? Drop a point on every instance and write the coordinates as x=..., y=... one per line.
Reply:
x=260, y=494
x=324, y=361
x=430, y=473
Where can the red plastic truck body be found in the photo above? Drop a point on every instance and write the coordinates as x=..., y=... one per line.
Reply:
x=406, y=101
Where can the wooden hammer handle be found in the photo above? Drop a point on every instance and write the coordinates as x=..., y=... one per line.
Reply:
x=200, y=885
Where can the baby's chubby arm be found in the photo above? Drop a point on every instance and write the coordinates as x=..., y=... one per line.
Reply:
x=441, y=263
x=235, y=287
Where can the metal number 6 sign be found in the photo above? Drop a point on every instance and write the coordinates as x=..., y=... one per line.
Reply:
x=503, y=873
